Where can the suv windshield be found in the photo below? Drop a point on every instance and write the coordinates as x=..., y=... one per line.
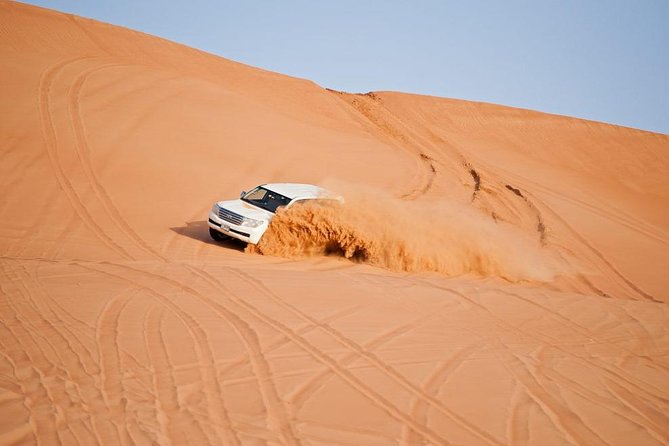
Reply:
x=265, y=199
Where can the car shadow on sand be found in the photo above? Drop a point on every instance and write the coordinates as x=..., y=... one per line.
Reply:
x=199, y=230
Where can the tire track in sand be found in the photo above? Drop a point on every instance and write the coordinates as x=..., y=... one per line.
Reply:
x=431, y=386
x=370, y=107
x=615, y=215
x=622, y=377
x=277, y=418
x=11, y=383
x=212, y=390
x=518, y=423
x=601, y=256
x=48, y=386
x=656, y=418
x=318, y=354
x=38, y=398
x=277, y=413
x=642, y=417
x=51, y=144
x=72, y=350
x=616, y=377
x=212, y=394
x=111, y=370
x=541, y=225
x=604, y=209
x=165, y=385
x=83, y=154
x=212, y=385
x=639, y=331
x=281, y=340
x=567, y=421
x=302, y=393
x=333, y=365
x=370, y=357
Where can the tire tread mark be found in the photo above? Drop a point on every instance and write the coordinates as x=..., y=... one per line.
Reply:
x=111, y=374
x=621, y=216
x=425, y=172
x=568, y=323
x=431, y=386
x=321, y=356
x=32, y=388
x=282, y=340
x=75, y=352
x=38, y=397
x=276, y=411
x=631, y=380
x=213, y=387
x=51, y=144
x=610, y=214
x=601, y=257
x=517, y=428
x=213, y=390
x=83, y=154
x=660, y=434
x=302, y=393
x=567, y=421
x=375, y=361
x=165, y=384
x=332, y=364
x=658, y=420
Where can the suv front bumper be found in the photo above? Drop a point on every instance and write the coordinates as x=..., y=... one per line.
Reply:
x=243, y=233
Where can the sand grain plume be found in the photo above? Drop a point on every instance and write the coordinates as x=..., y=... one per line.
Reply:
x=372, y=227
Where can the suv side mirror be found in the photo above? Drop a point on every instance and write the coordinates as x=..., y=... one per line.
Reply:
x=242, y=193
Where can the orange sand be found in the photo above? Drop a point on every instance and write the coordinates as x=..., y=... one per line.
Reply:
x=544, y=322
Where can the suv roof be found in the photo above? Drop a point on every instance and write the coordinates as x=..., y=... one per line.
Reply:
x=297, y=190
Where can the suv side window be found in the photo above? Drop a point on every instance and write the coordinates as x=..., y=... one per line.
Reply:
x=257, y=195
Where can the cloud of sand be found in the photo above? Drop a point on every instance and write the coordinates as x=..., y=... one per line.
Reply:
x=438, y=236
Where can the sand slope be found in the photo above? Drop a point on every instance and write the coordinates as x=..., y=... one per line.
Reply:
x=121, y=322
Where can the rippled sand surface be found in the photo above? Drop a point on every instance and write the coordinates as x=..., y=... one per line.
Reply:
x=512, y=286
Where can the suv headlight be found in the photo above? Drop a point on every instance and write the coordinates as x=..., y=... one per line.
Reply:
x=214, y=209
x=251, y=223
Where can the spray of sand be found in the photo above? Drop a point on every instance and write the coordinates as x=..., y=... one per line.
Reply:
x=386, y=232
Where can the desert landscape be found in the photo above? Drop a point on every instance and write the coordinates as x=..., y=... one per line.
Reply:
x=505, y=283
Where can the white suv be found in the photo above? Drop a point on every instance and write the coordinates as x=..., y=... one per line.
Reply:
x=248, y=217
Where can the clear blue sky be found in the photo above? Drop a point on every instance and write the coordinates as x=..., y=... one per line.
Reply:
x=606, y=60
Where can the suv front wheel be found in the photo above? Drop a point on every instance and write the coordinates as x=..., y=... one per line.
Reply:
x=217, y=235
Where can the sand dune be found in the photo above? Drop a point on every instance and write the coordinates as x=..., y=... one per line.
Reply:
x=500, y=275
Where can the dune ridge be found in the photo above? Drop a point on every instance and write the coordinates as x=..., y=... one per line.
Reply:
x=122, y=322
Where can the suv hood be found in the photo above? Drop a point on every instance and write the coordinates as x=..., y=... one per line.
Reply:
x=246, y=210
